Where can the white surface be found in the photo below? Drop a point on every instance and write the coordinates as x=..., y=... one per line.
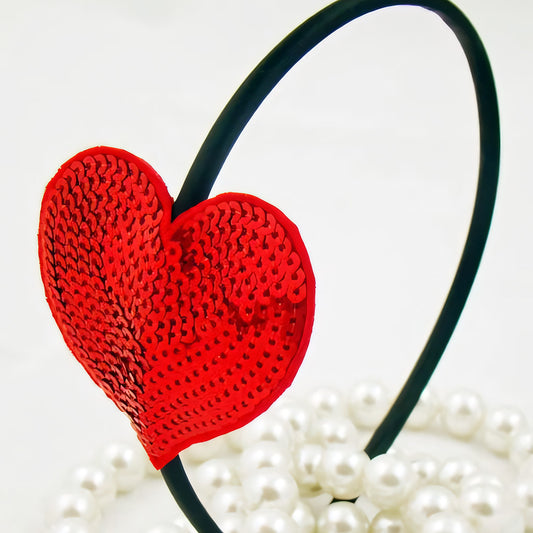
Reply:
x=369, y=145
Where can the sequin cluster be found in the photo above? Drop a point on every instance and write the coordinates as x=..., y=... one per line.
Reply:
x=192, y=327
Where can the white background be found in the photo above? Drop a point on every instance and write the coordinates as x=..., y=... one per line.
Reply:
x=369, y=145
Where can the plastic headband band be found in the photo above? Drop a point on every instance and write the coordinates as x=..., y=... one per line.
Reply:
x=233, y=120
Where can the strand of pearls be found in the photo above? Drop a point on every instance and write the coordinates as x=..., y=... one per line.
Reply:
x=280, y=473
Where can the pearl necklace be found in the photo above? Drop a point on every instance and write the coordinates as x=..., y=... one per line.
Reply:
x=279, y=473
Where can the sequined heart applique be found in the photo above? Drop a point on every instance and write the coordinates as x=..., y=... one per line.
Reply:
x=193, y=327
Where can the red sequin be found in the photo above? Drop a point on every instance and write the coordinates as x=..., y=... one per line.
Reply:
x=192, y=327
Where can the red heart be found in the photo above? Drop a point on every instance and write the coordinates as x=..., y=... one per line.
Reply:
x=193, y=327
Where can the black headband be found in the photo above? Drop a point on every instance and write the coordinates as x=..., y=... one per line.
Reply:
x=233, y=120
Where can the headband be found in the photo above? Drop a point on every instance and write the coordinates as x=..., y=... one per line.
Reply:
x=154, y=297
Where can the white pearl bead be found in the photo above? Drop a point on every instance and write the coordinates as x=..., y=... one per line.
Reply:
x=425, y=467
x=342, y=517
x=272, y=488
x=454, y=471
x=526, y=468
x=368, y=403
x=387, y=522
x=447, y=522
x=341, y=471
x=425, y=411
x=501, y=426
x=388, y=480
x=269, y=521
x=335, y=430
x=303, y=518
x=523, y=491
x=481, y=479
x=71, y=525
x=399, y=453
x=127, y=463
x=327, y=401
x=230, y=523
x=264, y=454
x=508, y=520
x=521, y=448
x=427, y=501
x=481, y=502
x=298, y=415
x=98, y=480
x=214, y=474
x=75, y=503
x=227, y=500
x=462, y=413
x=318, y=502
x=306, y=460
x=202, y=451
x=166, y=528
x=267, y=427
